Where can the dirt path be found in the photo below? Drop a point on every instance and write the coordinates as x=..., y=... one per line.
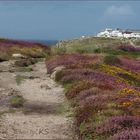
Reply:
x=46, y=110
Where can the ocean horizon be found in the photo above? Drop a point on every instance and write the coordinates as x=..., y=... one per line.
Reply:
x=45, y=42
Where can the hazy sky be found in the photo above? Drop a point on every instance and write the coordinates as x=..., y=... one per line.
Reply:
x=65, y=19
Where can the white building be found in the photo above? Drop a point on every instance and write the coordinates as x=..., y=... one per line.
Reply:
x=105, y=33
x=119, y=33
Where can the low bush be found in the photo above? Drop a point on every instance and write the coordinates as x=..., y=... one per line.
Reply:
x=17, y=101
x=129, y=48
x=111, y=60
x=130, y=79
x=76, y=88
x=104, y=92
x=130, y=134
x=9, y=47
x=20, y=79
x=130, y=64
x=24, y=69
x=89, y=106
x=25, y=62
x=68, y=60
x=87, y=92
x=4, y=56
x=97, y=50
x=117, y=124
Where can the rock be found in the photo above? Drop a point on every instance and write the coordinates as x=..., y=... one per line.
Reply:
x=57, y=69
x=3, y=93
x=7, y=66
x=33, y=77
x=13, y=92
x=18, y=55
x=45, y=86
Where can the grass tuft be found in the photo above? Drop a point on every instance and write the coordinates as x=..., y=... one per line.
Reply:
x=17, y=101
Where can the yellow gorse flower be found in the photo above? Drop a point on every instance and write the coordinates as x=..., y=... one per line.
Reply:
x=129, y=91
x=125, y=104
x=114, y=70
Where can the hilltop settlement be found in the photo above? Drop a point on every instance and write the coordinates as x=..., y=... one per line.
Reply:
x=119, y=33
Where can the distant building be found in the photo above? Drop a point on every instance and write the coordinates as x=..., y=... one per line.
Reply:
x=82, y=37
x=119, y=33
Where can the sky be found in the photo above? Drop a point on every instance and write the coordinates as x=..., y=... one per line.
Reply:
x=67, y=19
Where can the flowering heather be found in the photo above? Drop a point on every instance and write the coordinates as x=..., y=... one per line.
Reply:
x=124, y=77
x=129, y=91
x=86, y=74
x=116, y=124
x=105, y=97
x=82, y=64
x=88, y=106
x=129, y=99
x=89, y=62
x=130, y=64
x=132, y=134
x=78, y=87
x=129, y=48
x=111, y=60
x=29, y=49
x=68, y=72
x=19, y=43
x=101, y=80
x=67, y=60
x=88, y=92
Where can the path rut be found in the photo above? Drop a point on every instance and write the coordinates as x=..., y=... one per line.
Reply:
x=46, y=109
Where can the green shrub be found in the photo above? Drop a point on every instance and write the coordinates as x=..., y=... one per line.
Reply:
x=25, y=62
x=111, y=60
x=58, y=76
x=58, y=50
x=4, y=57
x=24, y=69
x=131, y=79
x=17, y=101
x=34, y=52
x=76, y=88
x=97, y=50
x=19, y=79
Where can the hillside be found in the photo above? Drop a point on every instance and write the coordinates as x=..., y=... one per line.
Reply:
x=29, y=49
x=96, y=45
x=101, y=78
x=79, y=89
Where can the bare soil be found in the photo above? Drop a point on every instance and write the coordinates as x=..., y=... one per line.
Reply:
x=46, y=112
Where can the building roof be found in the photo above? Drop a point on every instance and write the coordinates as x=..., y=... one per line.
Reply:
x=132, y=31
x=128, y=30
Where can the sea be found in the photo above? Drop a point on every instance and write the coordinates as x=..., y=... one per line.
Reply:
x=45, y=42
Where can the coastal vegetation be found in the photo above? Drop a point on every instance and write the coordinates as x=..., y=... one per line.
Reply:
x=28, y=49
x=102, y=83
x=100, y=77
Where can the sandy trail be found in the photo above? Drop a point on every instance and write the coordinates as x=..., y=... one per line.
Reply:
x=45, y=116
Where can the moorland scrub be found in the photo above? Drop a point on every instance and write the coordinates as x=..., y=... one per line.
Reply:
x=102, y=84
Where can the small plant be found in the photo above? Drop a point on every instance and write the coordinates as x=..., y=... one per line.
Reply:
x=130, y=64
x=117, y=124
x=129, y=48
x=4, y=57
x=17, y=101
x=25, y=62
x=24, y=69
x=133, y=134
x=130, y=78
x=89, y=106
x=19, y=79
x=111, y=60
x=77, y=88
x=97, y=50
